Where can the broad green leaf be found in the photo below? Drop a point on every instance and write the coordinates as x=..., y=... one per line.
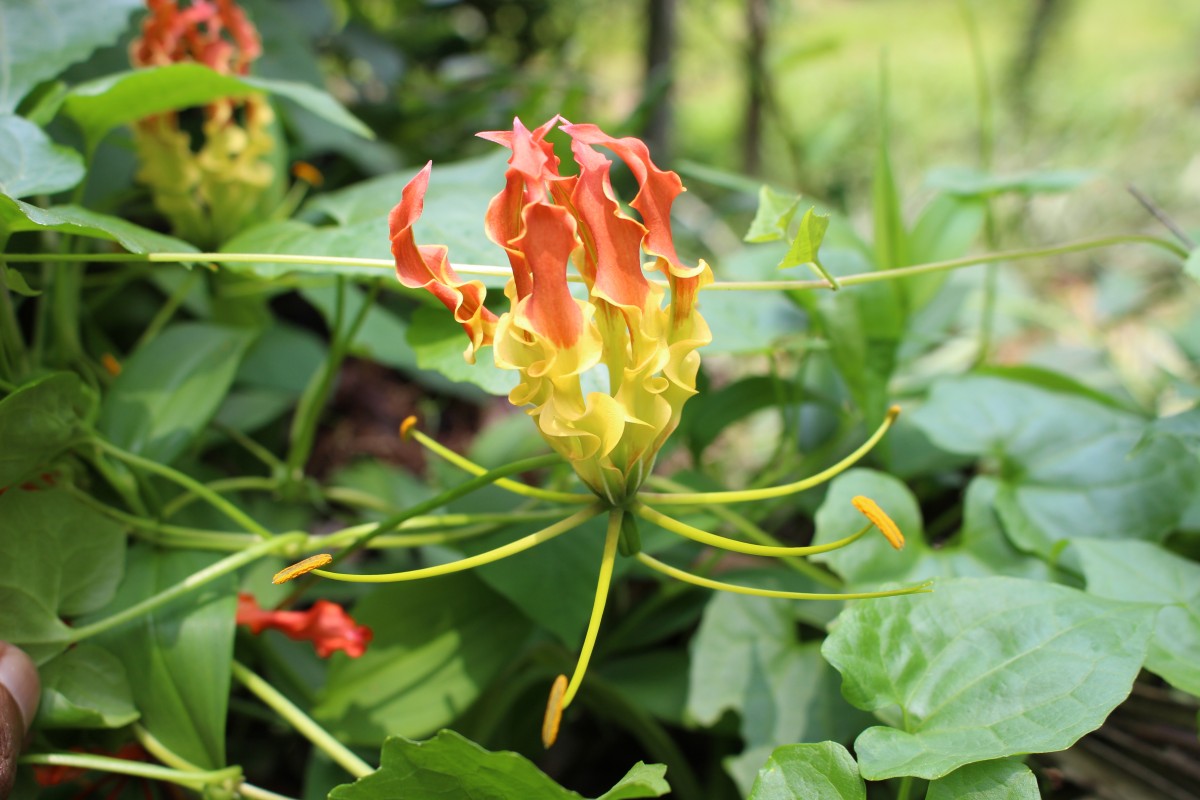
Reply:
x=48, y=569
x=178, y=656
x=169, y=390
x=822, y=771
x=16, y=216
x=40, y=420
x=439, y=342
x=1003, y=779
x=746, y=658
x=982, y=669
x=271, y=377
x=436, y=646
x=1146, y=573
x=979, y=548
x=30, y=163
x=1184, y=427
x=39, y=39
x=774, y=215
x=1068, y=467
x=450, y=766
x=974, y=182
x=99, y=106
x=85, y=687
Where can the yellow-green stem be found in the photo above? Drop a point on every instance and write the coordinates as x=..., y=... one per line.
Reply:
x=512, y=548
x=725, y=543
x=611, y=538
x=303, y=723
x=708, y=583
x=466, y=465
x=747, y=495
x=136, y=769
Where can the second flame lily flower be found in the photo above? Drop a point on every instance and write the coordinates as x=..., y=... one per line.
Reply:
x=646, y=351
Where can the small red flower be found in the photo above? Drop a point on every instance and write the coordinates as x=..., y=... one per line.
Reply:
x=326, y=625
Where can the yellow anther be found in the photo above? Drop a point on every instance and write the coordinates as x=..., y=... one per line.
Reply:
x=302, y=567
x=111, y=365
x=407, y=425
x=554, y=711
x=879, y=518
x=308, y=173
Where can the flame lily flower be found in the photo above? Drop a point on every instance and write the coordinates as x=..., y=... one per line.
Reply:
x=644, y=350
x=211, y=193
x=639, y=336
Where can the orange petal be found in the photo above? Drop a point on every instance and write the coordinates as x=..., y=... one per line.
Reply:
x=547, y=243
x=429, y=268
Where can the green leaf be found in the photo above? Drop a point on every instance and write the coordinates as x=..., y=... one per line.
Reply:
x=746, y=658
x=774, y=215
x=48, y=569
x=99, y=106
x=85, y=687
x=436, y=646
x=40, y=420
x=891, y=237
x=946, y=228
x=439, y=343
x=16, y=216
x=1068, y=467
x=12, y=278
x=169, y=390
x=971, y=182
x=1003, y=779
x=450, y=766
x=38, y=40
x=1146, y=573
x=708, y=414
x=807, y=244
x=30, y=163
x=982, y=669
x=178, y=656
x=822, y=771
x=1192, y=265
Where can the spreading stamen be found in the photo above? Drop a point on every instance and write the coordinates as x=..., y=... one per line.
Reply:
x=879, y=518
x=709, y=583
x=408, y=429
x=301, y=568
x=748, y=495
x=554, y=711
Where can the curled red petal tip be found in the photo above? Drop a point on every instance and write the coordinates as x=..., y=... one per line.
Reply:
x=326, y=625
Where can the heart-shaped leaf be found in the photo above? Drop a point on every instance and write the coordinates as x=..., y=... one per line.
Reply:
x=822, y=771
x=982, y=669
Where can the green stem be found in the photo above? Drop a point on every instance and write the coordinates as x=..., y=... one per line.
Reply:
x=160, y=751
x=906, y=785
x=251, y=482
x=302, y=722
x=136, y=769
x=187, y=585
x=474, y=269
x=186, y=481
x=316, y=394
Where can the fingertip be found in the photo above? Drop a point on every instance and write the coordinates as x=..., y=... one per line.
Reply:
x=20, y=677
